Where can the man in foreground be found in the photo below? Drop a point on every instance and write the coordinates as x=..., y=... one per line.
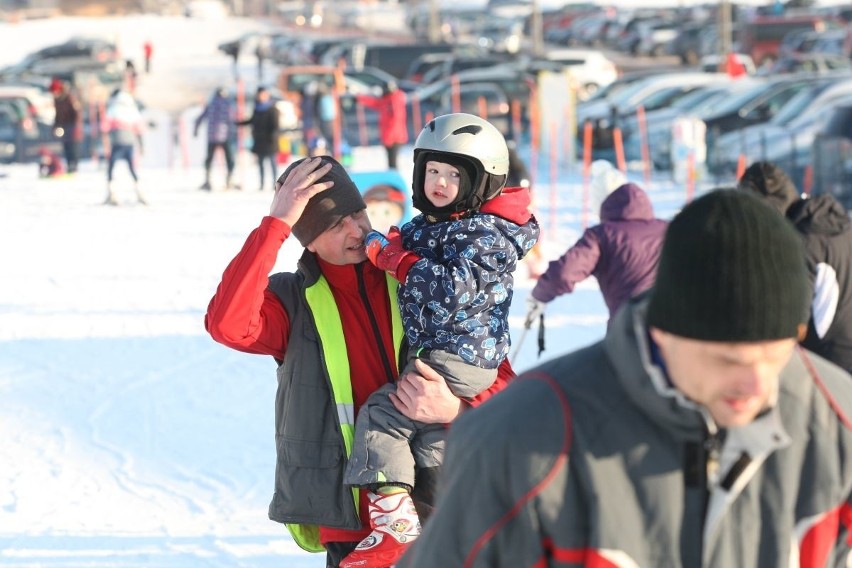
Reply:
x=696, y=433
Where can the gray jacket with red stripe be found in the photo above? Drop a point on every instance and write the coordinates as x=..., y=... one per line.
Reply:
x=593, y=459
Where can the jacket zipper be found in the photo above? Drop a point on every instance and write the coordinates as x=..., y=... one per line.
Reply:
x=362, y=289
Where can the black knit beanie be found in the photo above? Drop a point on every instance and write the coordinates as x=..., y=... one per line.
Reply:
x=731, y=270
x=326, y=208
x=768, y=181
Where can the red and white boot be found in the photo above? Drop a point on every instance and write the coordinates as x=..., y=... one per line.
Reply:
x=395, y=525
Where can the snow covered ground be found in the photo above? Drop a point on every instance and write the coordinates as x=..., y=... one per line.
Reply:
x=129, y=437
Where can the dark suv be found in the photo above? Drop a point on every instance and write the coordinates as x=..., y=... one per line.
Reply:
x=76, y=52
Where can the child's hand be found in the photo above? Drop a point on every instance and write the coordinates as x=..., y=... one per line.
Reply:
x=374, y=243
x=388, y=254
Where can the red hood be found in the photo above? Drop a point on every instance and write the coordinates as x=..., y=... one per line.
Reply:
x=513, y=204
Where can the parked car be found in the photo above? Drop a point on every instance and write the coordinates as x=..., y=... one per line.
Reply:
x=35, y=103
x=377, y=79
x=753, y=106
x=502, y=35
x=245, y=45
x=423, y=64
x=686, y=45
x=499, y=89
x=73, y=52
x=459, y=63
x=808, y=62
x=831, y=157
x=660, y=122
x=8, y=134
x=591, y=68
x=393, y=58
x=786, y=138
x=19, y=132
x=761, y=38
x=654, y=36
x=651, y=93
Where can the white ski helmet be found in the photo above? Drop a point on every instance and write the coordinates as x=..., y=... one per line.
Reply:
x=467, y=138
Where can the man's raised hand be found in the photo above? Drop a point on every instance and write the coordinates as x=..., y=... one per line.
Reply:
x=293, y=193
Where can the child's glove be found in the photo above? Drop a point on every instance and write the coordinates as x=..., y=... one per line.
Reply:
x=386, y=253
x=374, y=243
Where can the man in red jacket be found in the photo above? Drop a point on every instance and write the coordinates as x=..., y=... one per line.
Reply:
x=335, y=331
x=393, y=119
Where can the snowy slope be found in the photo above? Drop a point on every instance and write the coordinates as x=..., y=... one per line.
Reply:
x=130, y=438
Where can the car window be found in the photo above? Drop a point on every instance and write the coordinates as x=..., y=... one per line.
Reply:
x=777, y=101
x=660, y=98
x=796, y=105
x=478, y=99
x=820, y=113
x=695, y=98
x=570, y=61
x=627, y=93
x=8, y=129
x=739, y=100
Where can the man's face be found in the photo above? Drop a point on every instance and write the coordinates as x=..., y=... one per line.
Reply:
x=344, y=242
x=733, y=381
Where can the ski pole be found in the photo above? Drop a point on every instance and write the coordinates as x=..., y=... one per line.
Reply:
x=527, y=326
x=520, y=342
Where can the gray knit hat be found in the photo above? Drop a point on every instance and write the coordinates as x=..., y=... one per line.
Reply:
x=732, y=269
x=326, y=208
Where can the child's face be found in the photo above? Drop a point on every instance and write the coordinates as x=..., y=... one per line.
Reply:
x=441, y=184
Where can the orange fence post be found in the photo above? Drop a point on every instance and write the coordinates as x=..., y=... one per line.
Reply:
x=587, y=171
x=643, y=142
x=516, y=119
x=337, y=127
x=456, y=93
x=741, y=165
x=619, y=149
x=554, y=157
x=567, y=142
x=483, y=108
x=690, y=176
x=808, y=182
x=535, y=132
x=415, y=111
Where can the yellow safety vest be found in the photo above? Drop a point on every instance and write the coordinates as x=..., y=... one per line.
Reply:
x=333, y=345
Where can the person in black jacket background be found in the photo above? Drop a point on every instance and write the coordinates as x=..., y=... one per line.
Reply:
x=264, y=132
x=826, y=231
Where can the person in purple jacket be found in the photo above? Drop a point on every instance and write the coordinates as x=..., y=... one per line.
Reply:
x=622, y=252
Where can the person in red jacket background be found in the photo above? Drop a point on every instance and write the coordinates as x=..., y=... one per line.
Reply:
x=393, y=119
x=334, y=330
